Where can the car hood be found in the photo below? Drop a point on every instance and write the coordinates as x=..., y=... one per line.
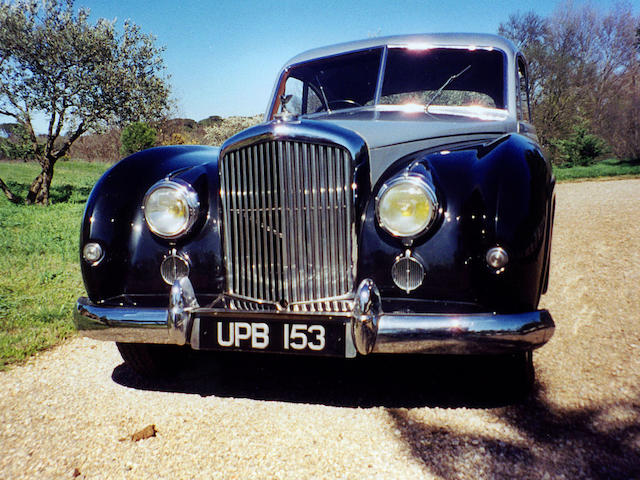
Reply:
x=386, y=128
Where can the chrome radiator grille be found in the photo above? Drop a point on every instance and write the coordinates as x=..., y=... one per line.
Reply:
x=288, y=224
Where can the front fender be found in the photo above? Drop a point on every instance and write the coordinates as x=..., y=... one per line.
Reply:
x=113, y=217
x=496, y=194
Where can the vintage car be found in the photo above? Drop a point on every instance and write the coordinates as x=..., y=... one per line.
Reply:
x=394, y=200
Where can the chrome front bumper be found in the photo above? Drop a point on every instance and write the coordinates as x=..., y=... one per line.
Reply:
x=369, y=329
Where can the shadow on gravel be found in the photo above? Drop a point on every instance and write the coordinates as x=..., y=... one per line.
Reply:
x=599, y=443
x=388, y=381
x=602, y=443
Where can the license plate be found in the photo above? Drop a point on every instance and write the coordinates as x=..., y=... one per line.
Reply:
x=302, y=337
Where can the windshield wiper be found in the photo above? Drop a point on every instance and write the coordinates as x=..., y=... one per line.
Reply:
x=449, y=80
x=324, y=97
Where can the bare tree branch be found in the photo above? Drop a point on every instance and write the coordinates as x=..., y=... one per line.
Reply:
x=65, y=147
x=12, y=198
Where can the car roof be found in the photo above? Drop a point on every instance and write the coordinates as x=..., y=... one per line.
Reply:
x=480, y=40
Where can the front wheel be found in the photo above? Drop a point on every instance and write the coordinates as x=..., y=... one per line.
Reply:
x=521, y=373
x=152, y=360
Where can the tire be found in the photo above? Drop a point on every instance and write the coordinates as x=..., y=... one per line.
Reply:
x=153, y=361
x=522, y=373
x=510, y=376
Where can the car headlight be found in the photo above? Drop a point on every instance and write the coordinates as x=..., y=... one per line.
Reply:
x=170, y=208
x=406, y=206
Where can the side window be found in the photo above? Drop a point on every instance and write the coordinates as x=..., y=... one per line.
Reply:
x=303, y=99
x=293, y=87
x=522, y=85
x=314, y=103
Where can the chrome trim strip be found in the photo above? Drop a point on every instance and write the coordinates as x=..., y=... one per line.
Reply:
x=262, y=207
x=245, y=266
x=282, y=213
x=383, y=67
x=250, y=216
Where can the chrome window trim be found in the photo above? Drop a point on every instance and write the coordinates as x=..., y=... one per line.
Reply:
x=383, y=66
x=271, y=115
x=506, y=76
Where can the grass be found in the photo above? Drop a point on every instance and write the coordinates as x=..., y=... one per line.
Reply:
x=39, y=270
x=606, y=168
x=39, y=266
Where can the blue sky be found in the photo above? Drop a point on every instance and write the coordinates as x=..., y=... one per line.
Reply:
x=223, y=56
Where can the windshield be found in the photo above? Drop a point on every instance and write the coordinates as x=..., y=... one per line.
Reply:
x=415, y=76
x=434, y=77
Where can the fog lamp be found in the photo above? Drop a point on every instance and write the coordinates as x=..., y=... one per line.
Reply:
x=497, y=257
x=407, y=272
x=174, y=267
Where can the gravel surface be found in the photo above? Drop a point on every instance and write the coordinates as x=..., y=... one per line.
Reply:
x=72, y=411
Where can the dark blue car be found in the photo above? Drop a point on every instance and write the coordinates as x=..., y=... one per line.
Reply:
x=394, y=200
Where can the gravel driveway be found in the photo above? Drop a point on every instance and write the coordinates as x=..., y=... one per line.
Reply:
x=71, y=411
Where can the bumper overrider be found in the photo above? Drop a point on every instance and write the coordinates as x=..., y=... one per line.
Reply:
x=367, y=329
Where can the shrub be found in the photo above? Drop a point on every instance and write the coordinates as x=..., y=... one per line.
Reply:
x=580, y=148
x=178, y=139
x=218, y=132
x=137, y=136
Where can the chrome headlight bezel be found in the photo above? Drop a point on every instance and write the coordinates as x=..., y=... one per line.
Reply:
x=427, y=190
x=186, y=193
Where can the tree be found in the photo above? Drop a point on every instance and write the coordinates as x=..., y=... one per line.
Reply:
x=583, y=71
x=82, y=77
x=137, y=136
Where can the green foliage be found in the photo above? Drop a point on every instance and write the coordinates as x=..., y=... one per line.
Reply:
x=605, y=168
x=581, y=148
x=137, y=136
x=39, y=270
x=15, y=143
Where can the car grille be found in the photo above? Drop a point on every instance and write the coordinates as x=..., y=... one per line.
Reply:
x=288, y=225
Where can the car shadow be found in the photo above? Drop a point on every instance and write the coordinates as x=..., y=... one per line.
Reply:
x=405, y=381
x=582, y=442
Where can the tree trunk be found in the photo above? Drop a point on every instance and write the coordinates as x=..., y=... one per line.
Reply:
x=39, y=190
